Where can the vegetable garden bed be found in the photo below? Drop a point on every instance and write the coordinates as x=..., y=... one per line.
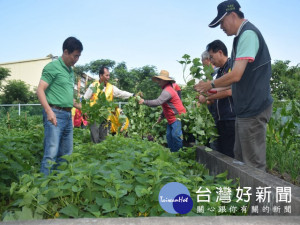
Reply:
x=121, y=177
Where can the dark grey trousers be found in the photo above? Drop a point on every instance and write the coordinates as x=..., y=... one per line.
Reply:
x=99, y=132
x=250, y=139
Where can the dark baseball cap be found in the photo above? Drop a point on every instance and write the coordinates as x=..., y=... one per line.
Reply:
x=223, y=9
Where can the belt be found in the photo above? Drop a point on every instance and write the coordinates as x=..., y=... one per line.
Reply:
x=68, y=109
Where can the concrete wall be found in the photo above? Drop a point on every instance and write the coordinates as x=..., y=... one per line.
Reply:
x=199, y=220
x=254, y=178
x=29, y=71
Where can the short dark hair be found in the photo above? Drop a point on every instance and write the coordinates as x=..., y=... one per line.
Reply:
x=216, y=46
x=240, y=14
x=101, y=70
x=72, y=44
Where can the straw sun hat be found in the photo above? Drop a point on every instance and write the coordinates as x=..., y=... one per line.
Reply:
x=163, y=75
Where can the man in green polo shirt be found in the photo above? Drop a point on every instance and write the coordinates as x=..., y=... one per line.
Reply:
x=55, y=92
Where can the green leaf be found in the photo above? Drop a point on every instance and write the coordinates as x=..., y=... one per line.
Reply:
x=125, y=165
x=107, y=207
x=70, y=210
x=41, y=200
x=27, y=199
x=38, y=216
x=13, y=187
x=76, y=189
x=228, y=182
x=25, y=214
x=9, y=217
x=121, y=193
x=186, y=56
x=53, y=193
x=94, y=209
x=100, y=182
x=130, y=199
x=125, y=210
x=142, y=180
x=191, y=82
x=222, y=175
x=140, y=190
x=45, y=183
x=111, y=192
x=208, y=149
x=102, y=201
x=67, y=186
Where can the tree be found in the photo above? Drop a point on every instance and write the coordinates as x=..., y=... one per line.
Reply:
x=94, y=66
x=78, y=73
x=137, y=79
x=4, y=73
x=79, y=70
x=17, y=91
x=144, y=81
x=124, y=79
x=285, y=81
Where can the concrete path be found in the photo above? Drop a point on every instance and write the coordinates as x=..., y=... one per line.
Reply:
x=199, y=220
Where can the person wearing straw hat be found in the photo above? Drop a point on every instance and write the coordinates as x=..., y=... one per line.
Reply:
x=172, y=106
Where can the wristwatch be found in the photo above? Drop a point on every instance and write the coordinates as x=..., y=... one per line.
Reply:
x=212, y=84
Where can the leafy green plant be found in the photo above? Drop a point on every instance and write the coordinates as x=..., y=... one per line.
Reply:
x=100, y=111
x=17, y=91
x=14, y=121
x=197, y=70
x=120, y=177
x=20, y=153
x=197, y=122
x=142, y=120
x=283, y=140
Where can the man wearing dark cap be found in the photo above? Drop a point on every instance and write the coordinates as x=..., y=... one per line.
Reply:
x=250, y=80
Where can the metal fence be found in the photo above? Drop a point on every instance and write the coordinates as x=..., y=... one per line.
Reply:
x=30, y=109
x=11, y=107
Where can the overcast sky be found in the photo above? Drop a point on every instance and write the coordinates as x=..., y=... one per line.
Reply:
x=138, y=32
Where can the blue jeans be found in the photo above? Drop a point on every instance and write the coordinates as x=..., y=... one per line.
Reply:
x=174, y=136
x=58, y=140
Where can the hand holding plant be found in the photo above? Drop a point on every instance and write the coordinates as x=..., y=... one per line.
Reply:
x=159, y=119
x=141, y=101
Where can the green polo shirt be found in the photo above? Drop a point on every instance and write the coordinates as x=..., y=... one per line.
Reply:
x=248, y=46
x=61, y=83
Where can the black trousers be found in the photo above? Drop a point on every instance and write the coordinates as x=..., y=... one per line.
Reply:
x=99, y=132
x=225, y=141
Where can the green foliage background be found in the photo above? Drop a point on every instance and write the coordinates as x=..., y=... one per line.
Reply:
x=285, y=81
